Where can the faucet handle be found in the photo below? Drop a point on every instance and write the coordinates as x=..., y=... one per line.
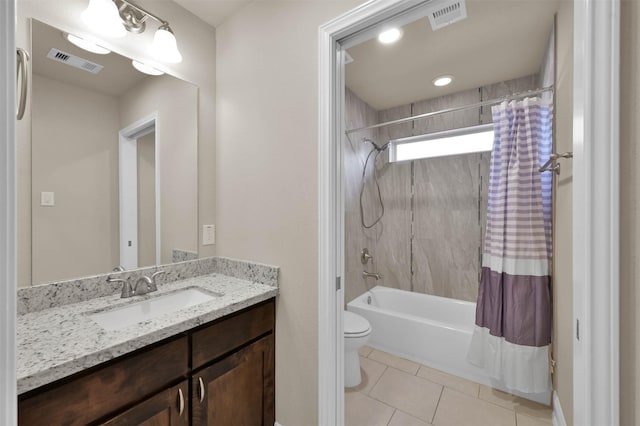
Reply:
x=127, y=291
x=155, y=274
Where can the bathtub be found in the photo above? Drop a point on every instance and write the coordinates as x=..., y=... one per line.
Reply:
x=431, y=330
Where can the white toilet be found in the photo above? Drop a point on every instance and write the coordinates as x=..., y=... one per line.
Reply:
x=356, y=334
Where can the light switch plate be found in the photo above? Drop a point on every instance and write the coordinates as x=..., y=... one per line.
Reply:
x=47, y=199
x=208, y=235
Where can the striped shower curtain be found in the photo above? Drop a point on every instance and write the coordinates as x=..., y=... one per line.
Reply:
x=513, y=316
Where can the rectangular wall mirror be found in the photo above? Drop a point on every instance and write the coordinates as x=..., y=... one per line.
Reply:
x=113, y=163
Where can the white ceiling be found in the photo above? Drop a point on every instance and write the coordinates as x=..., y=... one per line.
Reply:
x=498, y=41
x=213, y=12
x=117, y=76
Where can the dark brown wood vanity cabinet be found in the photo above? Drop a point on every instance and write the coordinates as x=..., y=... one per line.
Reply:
x=221, y=373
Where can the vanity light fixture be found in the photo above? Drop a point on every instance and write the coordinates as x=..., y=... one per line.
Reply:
x=390, y=36
x=443, y=80
x=146, y=69
x=132, y=18
x=86, y=44
x=103, y=17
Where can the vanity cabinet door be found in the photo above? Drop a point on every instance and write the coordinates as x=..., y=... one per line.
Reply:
x=238, y=390
x=167, y=408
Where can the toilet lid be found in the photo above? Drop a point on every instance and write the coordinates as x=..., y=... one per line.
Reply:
x=355, y=324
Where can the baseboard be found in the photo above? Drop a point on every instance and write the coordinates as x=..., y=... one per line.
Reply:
x=277, y=424
x=558, y=416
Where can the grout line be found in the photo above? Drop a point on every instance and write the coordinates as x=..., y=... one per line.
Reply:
x=392, y=414
x=433, y=419
x=376, y=383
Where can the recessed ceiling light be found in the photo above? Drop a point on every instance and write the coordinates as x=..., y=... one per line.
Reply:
x=390, y=36
x=146, y=69
x=86, y=44
x=442, y=80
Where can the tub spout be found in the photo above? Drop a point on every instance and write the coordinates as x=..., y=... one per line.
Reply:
x=366, y=275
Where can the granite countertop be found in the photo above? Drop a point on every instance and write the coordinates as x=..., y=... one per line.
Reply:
x=57, y=342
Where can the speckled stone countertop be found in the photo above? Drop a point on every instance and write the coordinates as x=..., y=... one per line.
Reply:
x=57, y=342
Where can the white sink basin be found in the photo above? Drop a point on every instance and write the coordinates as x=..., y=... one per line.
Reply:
x=135, y=312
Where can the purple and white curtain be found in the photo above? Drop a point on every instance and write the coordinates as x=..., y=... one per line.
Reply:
x=513, y=316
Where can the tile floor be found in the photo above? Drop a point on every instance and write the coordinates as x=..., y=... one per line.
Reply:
x=399, y=392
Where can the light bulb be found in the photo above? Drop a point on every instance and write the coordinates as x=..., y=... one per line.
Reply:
x=389, y=36
x=443, y=80
x=103, y=17
x=146, y=69
x=164, y=47
x=87, y=45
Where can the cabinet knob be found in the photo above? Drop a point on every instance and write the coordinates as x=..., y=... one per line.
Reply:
x=201, y=389
x=180, y=402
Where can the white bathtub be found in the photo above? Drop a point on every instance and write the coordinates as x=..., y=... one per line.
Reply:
x=431, y=330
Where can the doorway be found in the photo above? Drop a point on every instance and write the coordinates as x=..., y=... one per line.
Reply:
x=590, y=41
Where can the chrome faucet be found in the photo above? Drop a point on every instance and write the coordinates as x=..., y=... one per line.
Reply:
x=366, y=275
x=136, y=290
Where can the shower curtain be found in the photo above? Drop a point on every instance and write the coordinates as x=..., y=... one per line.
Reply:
x=512, y=333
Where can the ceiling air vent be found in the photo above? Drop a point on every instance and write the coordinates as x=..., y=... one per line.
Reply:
x=444, y=13
x=74, y=61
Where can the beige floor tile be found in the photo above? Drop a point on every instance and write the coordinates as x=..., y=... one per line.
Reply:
x=520, y=405
x=371, y=371
x=458, y=409
x=522, y=420
x=395, y=362
x=454, y=382
x=401, y=418
x=413, y=395
x=365, y=351
x=360, y=410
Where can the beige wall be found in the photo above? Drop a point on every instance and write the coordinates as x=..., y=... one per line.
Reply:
x=629, y=214
x=563, y=273
x=266, y=173
x=175, y=102
x=196, y=41
x=75, y=155
x=146, y=147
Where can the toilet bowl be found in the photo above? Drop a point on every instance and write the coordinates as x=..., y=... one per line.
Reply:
x=356, y=334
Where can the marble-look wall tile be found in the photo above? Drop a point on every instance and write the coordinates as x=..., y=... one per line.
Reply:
x=446, y=237
x=430, y=237
x=391, y=238
x=448, y=121
x=358, y=114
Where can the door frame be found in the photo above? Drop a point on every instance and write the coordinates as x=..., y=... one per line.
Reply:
x=8, y=286
x=128, y=193
x=595, y=223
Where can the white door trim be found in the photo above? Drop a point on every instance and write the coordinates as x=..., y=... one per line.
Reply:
x=595, y=207
x=128, y=192
x=8, y=286
x=596, y=92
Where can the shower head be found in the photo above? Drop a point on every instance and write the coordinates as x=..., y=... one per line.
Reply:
x=375, y=145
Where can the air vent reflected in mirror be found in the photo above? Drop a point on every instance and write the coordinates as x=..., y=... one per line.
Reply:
x=74, y=61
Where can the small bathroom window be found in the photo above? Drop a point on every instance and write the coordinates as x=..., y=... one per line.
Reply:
x=441, y=144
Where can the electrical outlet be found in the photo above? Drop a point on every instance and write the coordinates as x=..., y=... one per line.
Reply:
x=208, y=235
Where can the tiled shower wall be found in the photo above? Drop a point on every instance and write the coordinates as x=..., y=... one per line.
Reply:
x=430, y=237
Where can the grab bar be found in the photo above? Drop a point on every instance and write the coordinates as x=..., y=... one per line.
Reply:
x=22, y=76
x=551, y=165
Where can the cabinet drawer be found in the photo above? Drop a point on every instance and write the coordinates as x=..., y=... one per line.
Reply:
x=222, y=337
x=108, y=389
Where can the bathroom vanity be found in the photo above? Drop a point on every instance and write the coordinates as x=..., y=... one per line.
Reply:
x=211, y=363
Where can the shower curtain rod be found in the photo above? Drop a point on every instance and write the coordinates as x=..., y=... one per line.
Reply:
x=454, y=109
